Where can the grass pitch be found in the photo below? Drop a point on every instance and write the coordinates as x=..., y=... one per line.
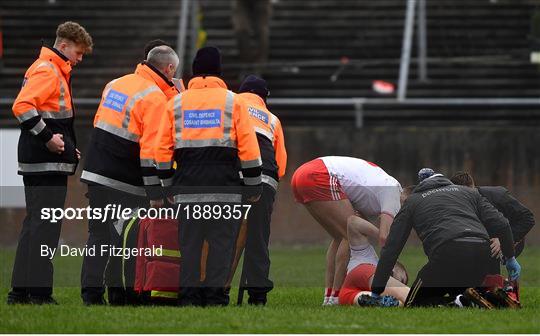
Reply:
x=294, y=306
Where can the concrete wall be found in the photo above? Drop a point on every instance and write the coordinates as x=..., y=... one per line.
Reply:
x=495, y=155
x=508, y=156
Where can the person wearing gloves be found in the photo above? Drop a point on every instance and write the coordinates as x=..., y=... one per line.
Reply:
x=520, y=218
x=454, y=224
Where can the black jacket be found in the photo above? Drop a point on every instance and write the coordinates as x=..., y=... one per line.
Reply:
x=440, y=211
x=520, y=218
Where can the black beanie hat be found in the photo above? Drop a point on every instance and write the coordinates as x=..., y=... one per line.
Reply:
x=255, y=85
x=207, y=62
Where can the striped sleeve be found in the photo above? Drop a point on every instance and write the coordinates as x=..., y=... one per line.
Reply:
x=36, y=90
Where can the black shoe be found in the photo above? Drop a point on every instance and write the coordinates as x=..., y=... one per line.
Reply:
x=17, y=299
x=258, y=295
x=117, y=296
x=191, y=296
x=214, y=296
x=96, y=302
x=42, y=300
x=257, y=301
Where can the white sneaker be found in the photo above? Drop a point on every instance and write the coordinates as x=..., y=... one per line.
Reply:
x=333, y=301
x=457, y=302
x=326, y=301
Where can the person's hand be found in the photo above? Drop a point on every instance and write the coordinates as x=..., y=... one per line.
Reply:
x=382, y=240
x=383, y=234
x=253, y=193
x=56, y=144
x=78, y=152
x=513, y=268
x=495, y=247
x=254, y=199
x=156, y=203
x=385, y=221
x=170, y=199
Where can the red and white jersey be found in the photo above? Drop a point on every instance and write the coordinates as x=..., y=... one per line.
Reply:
x=362, y=254
x=369, y=188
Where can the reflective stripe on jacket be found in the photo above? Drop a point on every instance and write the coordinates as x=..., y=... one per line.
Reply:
x=120, y=153
x=270, y=137
x=44, y=107
x=208, y=133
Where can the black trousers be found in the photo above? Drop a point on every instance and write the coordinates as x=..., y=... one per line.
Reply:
x=494, y=266
x=33, y=273
x=257, y=257
x=93, y=276
x=219, y=234
x=453, y=267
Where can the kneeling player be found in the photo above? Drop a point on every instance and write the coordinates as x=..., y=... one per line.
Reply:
x=361, y=269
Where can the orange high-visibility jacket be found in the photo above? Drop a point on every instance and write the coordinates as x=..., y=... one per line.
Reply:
x=120, y=153
x=208, y=133
x=270, y=136
x=44, y=107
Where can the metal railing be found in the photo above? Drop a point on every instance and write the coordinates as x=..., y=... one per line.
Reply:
x=417, y=8
x=189, y=11
x=359, y=105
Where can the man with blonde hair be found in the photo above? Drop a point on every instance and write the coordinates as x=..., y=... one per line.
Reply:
x=47, y=155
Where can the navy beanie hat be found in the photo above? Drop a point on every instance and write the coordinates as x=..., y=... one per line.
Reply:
x=424, y=173
x=207, y=62
x=254, y=85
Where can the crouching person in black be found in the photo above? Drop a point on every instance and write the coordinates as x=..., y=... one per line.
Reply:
x=520, y=218
x=454, y=224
